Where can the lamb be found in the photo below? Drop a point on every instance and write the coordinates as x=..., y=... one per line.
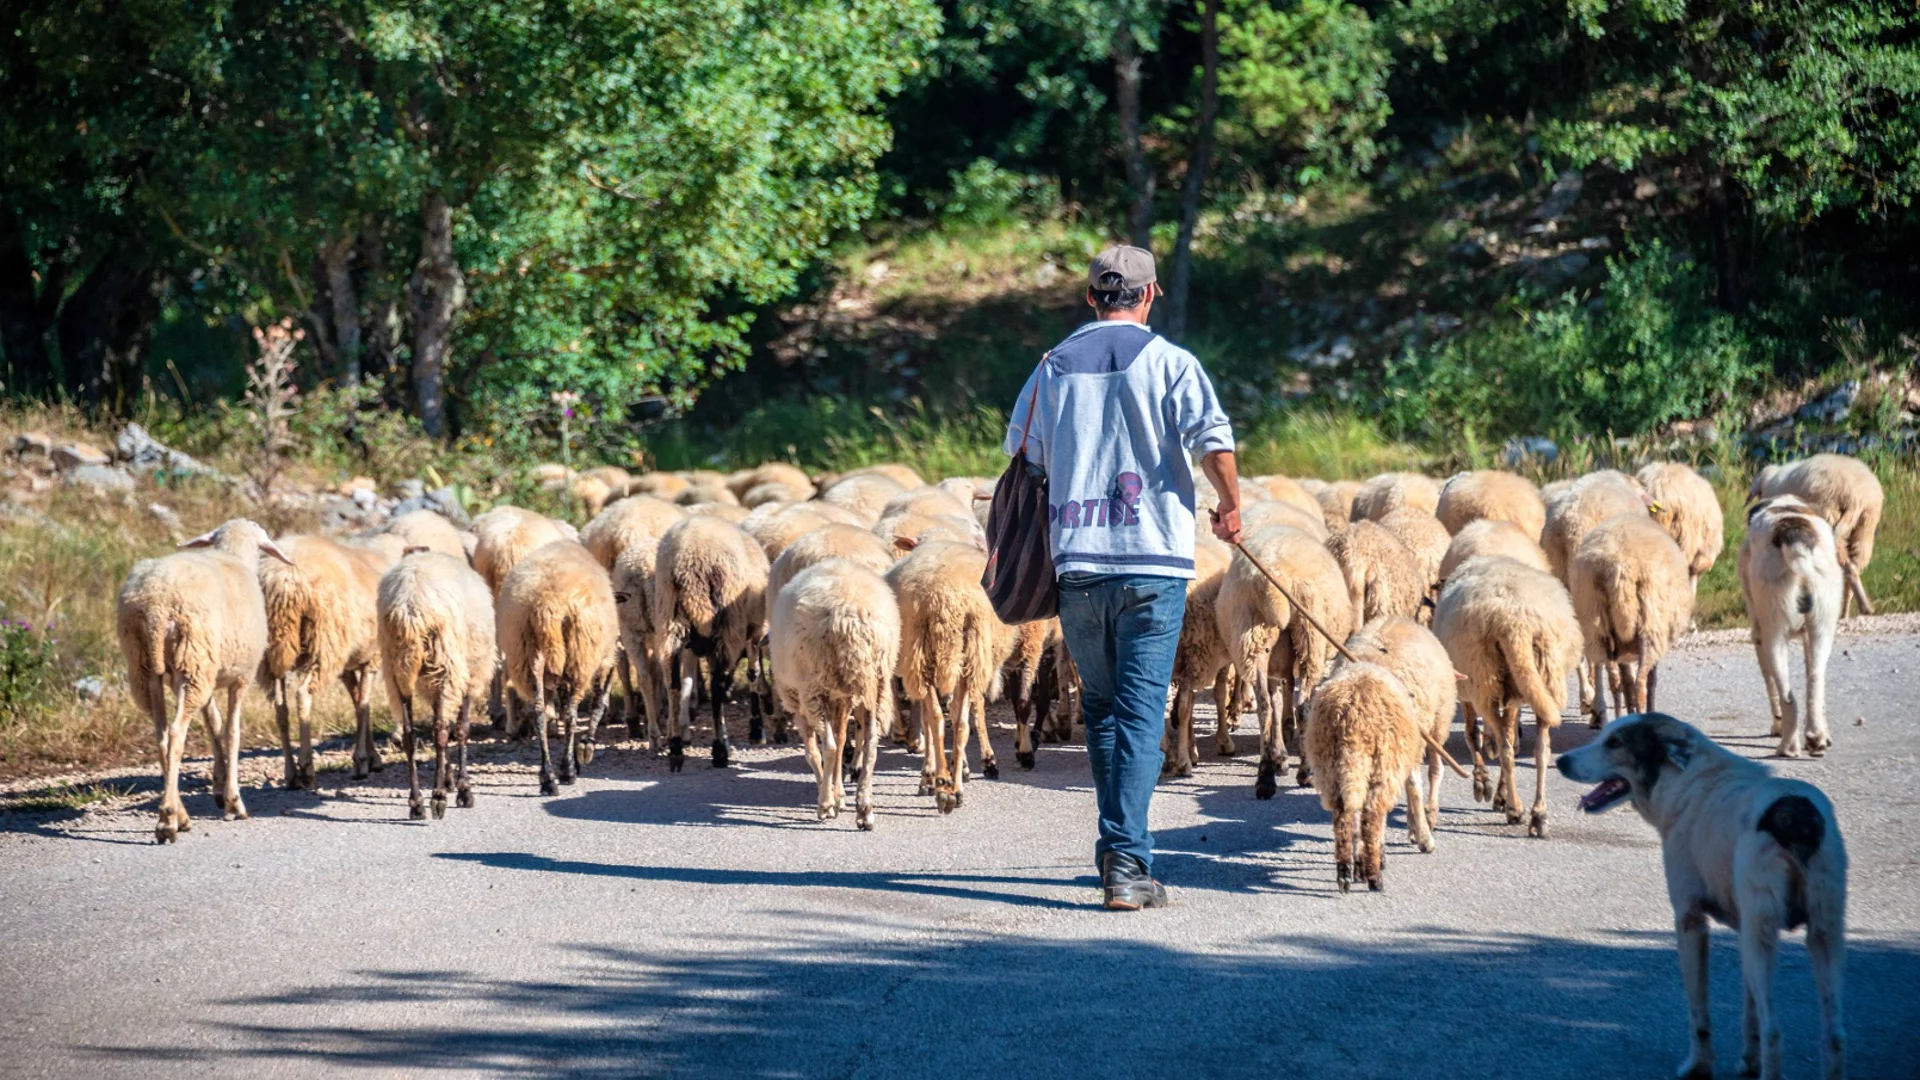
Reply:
x=1394, y=491
x=1491, y=495
x=948, y=650
x=866, y=494
x=437, y=650
x=424, y=528
x=836, y=643
x=1848, y=495
x=557, y=625
x=1631, y=594
x=1268, y=636
x=191, y=624
x=636, y=518
x=506, y=534
x=1420, y=662
x=1362, y=743
x=1795, y=586
x=1202, y=658
x=710, y=603
x=320, y=627
x=1511, y=629
x=1685, y=505
x=1383, y=577
x=1490, y=537
x=1336, y=502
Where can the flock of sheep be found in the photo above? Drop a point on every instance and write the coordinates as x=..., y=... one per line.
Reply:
x=847, y=596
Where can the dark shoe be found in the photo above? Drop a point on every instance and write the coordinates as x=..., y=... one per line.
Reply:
x=1128, y=885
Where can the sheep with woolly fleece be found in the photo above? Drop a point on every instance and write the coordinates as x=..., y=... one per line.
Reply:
x=932, y=501
x=777, y=473
x=1425, y=537
x=1202, y=658
x=1418, y=659
x=632, y=578
x=320, y=627
x=427, y=529
x=1794, y=586
x=1685, y=505
x=706, y=495
x=906, y=531
x=1027, y=677
x=1383, y=576
x=1393, y=491
x=835, y=645
x=435, y=633
x=949, y=650
x=1849, y=496
x=557, y=627
x=1491, y=495
x=903, y=475
x=1488, y=536
x=632, y=519
x=850, y=542
x=637, y=519
x=660, y=485
x=732, y=513
x=762, y=494
x=1269, y=637
x=1254, y=516
x=1512, y=631
x=1587, y=502
x=1336, y=502
x=775, y=530
x=597, y=487
x=1362, y=744
x=1292, y=492
x=710, y=603
x=1632, y=595
x=506, y=534
x=1580, y=506
x=865, y=494
x=193, y=623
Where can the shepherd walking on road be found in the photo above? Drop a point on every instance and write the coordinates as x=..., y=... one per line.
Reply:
x=1115, y=412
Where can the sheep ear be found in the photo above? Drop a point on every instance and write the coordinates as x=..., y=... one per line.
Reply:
x=203, y=540
x=413, y=549
x=273, y=549
x=905, y=543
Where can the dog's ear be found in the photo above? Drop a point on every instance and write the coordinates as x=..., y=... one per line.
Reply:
x=1679, y=749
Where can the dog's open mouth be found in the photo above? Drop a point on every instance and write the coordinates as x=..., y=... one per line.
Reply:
x=1609, y=794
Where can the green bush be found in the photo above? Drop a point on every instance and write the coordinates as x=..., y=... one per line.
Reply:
x=1650, y=348
x=29, y=666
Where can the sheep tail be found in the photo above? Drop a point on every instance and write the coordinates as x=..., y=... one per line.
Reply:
x=1525, y=661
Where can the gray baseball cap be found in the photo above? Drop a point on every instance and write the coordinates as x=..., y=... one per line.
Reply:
x=1121, y=267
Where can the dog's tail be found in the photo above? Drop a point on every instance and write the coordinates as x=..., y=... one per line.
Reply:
x=1796, y=824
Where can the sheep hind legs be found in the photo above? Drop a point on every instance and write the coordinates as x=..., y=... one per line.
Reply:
x=171, y=733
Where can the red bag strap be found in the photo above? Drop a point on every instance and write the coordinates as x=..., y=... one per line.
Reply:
x=1031, y=399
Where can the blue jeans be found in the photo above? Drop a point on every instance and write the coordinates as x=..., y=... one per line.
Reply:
x=1122, y=630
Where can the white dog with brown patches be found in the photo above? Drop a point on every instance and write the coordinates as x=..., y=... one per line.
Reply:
x=1758, y=852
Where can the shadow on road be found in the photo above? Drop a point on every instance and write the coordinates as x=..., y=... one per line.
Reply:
x=1425, y=1002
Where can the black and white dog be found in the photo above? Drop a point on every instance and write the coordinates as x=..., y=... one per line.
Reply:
x=1758, y=852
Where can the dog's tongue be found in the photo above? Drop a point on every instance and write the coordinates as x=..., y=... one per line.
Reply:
x=1602, y=794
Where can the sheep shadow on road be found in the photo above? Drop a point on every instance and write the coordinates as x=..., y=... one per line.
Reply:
x=842, y=1000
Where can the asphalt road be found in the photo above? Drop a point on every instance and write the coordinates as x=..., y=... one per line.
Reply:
x=703, y=923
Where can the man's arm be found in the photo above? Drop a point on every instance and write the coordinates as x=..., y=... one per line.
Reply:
x=1224, y=473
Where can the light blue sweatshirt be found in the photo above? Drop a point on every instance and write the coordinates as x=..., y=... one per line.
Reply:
x=1117, y=412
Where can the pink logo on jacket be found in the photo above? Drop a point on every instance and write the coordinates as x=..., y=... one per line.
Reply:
x=1120, y=507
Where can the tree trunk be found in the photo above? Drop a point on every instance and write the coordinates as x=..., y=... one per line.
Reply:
x=23, y=319
x=1197, y=168
x=104, y=328
x=380, y=340
x=1726, y=255
x=437, y=292
x=1126, y=82
x=336, y=265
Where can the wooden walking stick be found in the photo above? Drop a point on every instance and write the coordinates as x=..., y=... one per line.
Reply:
x=1338, y=647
